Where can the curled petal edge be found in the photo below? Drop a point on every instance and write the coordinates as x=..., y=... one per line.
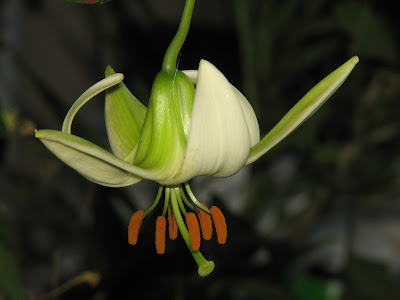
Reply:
x=94, y=90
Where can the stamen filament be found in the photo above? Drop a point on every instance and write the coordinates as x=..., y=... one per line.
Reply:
x=166, y=201
x=194, y=199
x=205, y=266
x=159, y=193
x=185, y=199
x=178, y=195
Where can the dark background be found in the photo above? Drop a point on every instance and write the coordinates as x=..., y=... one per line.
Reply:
x=318, y=217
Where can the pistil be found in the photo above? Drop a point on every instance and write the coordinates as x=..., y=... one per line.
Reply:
x=205, y=266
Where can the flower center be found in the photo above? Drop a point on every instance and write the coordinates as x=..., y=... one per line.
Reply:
x=184, y=213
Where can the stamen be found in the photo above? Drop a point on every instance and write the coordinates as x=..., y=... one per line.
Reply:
x=166, y=201
x=180, y=202
x=194, y=230
x=173, y=226
x=205, y=224
x=134, y=226
x=219, y=224
x=161, y=225
x=194, y=199
x=159, y=193
x=185, y=199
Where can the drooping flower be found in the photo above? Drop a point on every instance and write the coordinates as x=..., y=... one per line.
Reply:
x=196, y=123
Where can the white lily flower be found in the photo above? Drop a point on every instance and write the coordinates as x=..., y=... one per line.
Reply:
x=196, y=123
x=223, y=135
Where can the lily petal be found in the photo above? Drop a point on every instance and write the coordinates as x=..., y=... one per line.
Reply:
x=251, y=118
x=92, y=161
x=219, y=138
x=94, y=90
x=162, y=142
x=124, y=115
x=192, y=75
x=184, y=91
x=303, y=109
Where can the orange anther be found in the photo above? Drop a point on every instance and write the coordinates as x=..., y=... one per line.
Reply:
x=205, y=223
x=161, y=226
x=194, y=230
x=173, y=226
x=219, y=224
x=134, y=226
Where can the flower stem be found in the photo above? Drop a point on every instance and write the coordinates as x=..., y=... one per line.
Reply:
x=171, y=56
x=205, y=266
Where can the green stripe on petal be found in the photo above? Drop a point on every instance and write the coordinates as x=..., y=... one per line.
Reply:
x=184, y=91
x=162, y=142
x=219, y=139
x=92, y=161
x=303, y=109
x=124, y=116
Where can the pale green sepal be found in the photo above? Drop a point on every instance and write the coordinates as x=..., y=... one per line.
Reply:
x=92, y=161
x=303, y=109
x=219, y=139
x=124, y=115
x=94, y=90
x=162, y=142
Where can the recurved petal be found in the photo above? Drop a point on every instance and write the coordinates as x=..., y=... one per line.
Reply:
x=219, y=139
x=94, y=90
x=124, y=115
x=92, y=161
x=303, y=109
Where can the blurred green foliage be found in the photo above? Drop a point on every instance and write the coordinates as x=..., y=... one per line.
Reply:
x=310, y=203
